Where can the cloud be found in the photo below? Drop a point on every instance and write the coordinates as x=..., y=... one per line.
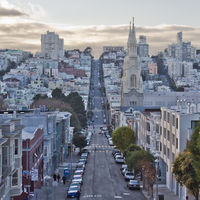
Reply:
x=26, y=35
x=6, y=12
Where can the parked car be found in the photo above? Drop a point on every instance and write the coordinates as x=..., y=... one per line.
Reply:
x=128, y=175
x=77, y=180
x=76, y=184
x=119, y=159
x=75, y=187
x=117, y=154
x=78, y=172
x=123, y=167
x=115, y=151
x=73, y=193
x=80, y=165
x=83, y=160
x=134, y=184
x=111, y=143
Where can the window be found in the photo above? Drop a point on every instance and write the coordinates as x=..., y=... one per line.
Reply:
x=168, y=117
x=168, y=152
x=164, y=149
x=160, y=130
x=160, y=146
x=15, y=178
x=147, y=126
x=164, y=115
x=177, y=143
x=5, y=156
x=45, y=151
x=173, y=120
x=16, y=147
x=173, y=157
x=157, y=145
x=133, y=80
x=176, y=123
x=173, y=139
x=157, y=128
x=168, y=135
x=164, y=132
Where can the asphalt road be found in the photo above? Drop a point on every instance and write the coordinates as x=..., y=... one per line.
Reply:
x=102, y=178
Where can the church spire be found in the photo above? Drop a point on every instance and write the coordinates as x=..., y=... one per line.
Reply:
x=132, y=44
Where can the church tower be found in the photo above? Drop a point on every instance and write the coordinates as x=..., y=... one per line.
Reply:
x=132, y=88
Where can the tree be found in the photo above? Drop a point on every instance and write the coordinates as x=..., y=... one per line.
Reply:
x=123, y=137
x=53, y=105
x=57, y=93
x=142, y=161
x=194, y=147
x=39, y=96
x=185, y=173
x=79, y=141
x=136, y=156
x=76, y=102
x=131, y=148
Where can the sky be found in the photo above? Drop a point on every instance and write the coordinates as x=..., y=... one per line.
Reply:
x=97, y=23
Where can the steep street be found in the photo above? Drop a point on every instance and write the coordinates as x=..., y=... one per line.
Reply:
x=102, y=178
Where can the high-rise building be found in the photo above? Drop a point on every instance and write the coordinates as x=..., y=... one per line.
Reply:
x=183, y=51
x=52, y=46
x=143, y=47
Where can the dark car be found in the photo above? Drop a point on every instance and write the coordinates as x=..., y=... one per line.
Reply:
x=115, y=151
x=134, y=184
x=73, y=193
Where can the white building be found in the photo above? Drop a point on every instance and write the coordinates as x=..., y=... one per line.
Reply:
x=52, y=46
x=177, y=125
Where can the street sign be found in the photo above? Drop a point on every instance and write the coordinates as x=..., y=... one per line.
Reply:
x=34, y=174
x=25, y=173
x=66, y=172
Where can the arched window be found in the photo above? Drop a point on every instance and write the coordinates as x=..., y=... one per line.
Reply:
x=133, y=80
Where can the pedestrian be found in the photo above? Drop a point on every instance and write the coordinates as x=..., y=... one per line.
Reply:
x=58, y=178
x=64, y=179
x=54, y=177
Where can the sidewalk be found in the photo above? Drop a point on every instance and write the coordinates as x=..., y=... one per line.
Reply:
x=162, y=189
x=59, y=192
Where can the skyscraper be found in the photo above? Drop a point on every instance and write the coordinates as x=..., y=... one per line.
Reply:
x=143, y=47
x=52, y=46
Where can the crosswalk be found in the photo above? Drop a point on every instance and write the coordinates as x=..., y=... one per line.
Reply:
x=100, y=148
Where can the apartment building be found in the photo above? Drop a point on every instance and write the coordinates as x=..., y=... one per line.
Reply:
x=177, y=125
x=32, y=161
x=10, y=158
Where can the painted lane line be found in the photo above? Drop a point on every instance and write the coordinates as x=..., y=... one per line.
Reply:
x=118, y=197
x=126, y=193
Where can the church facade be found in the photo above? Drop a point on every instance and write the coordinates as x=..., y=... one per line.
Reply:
x=132, y=88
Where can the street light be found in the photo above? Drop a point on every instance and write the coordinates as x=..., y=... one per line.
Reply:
x=157, y=175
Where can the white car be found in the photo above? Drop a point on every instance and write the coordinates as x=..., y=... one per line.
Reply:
x=119, y=159
x=128, y=175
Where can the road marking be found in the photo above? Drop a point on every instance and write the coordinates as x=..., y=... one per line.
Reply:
x=118, y=197
x=93, y=196
x=126, y=193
